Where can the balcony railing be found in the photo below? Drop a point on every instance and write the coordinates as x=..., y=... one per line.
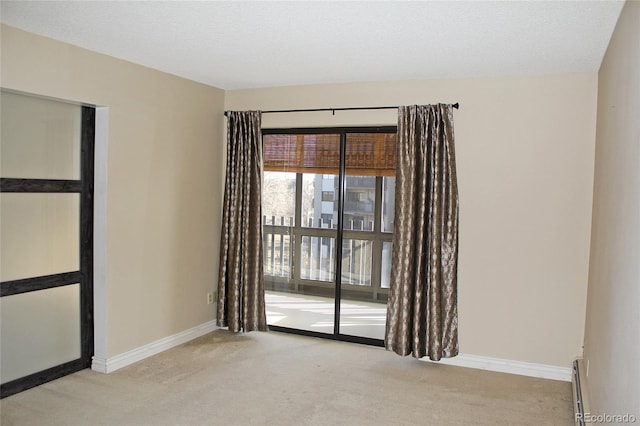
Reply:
x=317, y=254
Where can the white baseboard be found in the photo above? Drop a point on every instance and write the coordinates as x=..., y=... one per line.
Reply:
x=108, y=365
x=530, y=369
x=509, y=366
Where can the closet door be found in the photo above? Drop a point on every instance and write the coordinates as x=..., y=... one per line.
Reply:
x=46, y=227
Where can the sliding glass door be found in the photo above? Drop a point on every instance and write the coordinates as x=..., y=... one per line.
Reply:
x=46, y=212
x=325, y=204
x=300, y=229
x=366, y=239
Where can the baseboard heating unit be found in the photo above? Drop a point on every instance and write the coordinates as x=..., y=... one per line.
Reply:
x=579, y=391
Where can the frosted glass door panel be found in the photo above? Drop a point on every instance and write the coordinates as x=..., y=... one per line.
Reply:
x=39, y=330
x=40, y=234
x=40, y=138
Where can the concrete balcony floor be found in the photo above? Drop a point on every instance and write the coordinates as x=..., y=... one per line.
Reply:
x=315, y=313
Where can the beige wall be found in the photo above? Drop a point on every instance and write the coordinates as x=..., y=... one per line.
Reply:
x=612, y=336
x=525, y=149
x=163, y=168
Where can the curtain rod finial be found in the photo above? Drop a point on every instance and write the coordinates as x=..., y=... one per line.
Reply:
x=456, y=105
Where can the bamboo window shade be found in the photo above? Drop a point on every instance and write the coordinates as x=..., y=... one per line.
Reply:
x=367, y=154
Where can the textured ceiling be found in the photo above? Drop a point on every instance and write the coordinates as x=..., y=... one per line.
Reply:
x=234, y=44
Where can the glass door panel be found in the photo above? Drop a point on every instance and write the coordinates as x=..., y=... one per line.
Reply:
x=39, y=330
x=362, y=309
x=300, y=255
x=299, y=261
x=368, y=160
x=299, y=204
x=40, y=234
x=40, y=138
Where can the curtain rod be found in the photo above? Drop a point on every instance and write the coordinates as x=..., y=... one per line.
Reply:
x=333, y=110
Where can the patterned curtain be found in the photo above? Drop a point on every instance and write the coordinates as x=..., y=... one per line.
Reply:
x=422, y=313
x=241, y=305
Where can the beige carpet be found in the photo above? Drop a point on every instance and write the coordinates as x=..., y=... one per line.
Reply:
x=278, y=379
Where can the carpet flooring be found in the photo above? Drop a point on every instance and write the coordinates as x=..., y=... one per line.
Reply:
x=279, y=379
